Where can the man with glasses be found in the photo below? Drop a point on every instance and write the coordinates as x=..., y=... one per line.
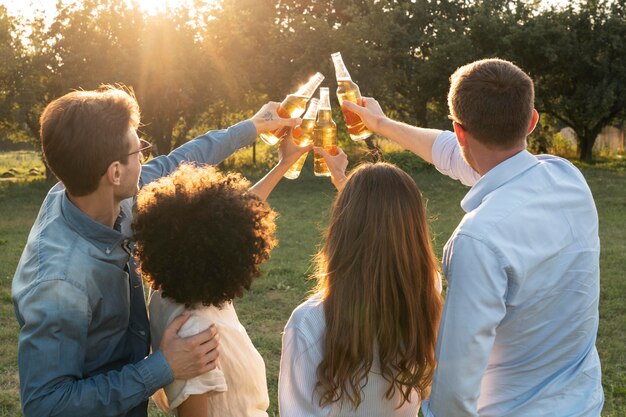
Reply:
x=84, y=332
x=518, y=332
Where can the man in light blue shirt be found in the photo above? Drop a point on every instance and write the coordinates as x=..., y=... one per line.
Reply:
x=517, y=336
x=84, y=332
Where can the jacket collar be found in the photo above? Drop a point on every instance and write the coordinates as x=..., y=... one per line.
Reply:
x=103, y=237
x=499, y=175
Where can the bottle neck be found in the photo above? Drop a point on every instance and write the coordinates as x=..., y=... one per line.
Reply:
x=309, y=88
x=341, y=72
x=324, y=115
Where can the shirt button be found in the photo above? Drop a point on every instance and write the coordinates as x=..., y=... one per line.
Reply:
x=108, y=251
x=141, y=332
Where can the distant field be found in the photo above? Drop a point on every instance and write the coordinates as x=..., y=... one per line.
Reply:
x=18, y=165
x=303, y=206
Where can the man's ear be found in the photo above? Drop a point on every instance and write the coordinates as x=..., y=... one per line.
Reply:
x=460, y=133
x=533, y=122
x=113, y=173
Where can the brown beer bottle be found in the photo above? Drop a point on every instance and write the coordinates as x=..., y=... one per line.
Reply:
x=293, y=106
x=324, y=134
x=348, y=90
x=303, y=136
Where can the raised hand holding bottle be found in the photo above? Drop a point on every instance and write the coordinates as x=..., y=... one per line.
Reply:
x=348, y=90
x=293, y=106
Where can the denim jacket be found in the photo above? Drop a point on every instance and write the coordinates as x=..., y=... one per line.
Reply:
x=84, y=333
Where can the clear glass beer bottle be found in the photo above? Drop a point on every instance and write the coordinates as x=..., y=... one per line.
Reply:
x=303, y=136
x=293, y=106
x=324, y=134
x=348, y=90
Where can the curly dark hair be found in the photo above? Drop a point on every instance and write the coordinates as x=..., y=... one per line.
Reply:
x=201, y=237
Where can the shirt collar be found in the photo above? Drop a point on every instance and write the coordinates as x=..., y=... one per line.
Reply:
x=499, y=175
x=103, y=237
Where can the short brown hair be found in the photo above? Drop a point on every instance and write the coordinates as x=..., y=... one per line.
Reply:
x=83, y=132
x=493, y=100
x=201, y=236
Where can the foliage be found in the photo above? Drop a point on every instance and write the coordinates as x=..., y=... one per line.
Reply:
x=200, y=63
x=579, y=66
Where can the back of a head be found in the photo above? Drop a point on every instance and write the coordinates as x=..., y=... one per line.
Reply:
x=377, y=274
x=85, y=131
x=201, y=236
x=493, y=100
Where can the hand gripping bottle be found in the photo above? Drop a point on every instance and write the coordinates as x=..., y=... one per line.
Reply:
x=303, y=136
x=293, y=106
x=348, y=90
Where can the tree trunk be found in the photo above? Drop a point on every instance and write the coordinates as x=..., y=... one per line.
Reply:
x=585, y=144
x=254, y=153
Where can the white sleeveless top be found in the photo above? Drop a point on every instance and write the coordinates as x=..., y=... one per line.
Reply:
x=240, y=377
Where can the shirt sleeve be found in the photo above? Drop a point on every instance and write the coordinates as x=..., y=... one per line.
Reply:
x=297, y=378
x=475, y=305
x=448, y=160
x=51, y=353
x=211, y=148
x=178, y=391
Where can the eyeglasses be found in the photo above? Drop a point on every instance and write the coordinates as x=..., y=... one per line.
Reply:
x=144, y=151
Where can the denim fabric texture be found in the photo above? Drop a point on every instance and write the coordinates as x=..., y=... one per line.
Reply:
x=84, y=333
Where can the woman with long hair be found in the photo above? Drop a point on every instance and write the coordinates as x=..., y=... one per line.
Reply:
x=364, y=343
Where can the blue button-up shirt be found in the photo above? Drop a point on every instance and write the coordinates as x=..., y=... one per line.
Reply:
x=518, y=332
x=84, y=333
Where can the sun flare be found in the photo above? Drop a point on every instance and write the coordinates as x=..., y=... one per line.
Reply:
x=156, y=6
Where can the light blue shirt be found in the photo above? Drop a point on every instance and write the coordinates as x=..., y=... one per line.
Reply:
x=518, y=331
x=84, y=334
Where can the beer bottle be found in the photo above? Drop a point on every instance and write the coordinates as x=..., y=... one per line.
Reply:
x=293, y=106
x=303, y=136
x=324, y=134
x=348, y=90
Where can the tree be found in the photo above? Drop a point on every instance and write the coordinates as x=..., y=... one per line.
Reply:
x=12, y=55
x=577, y=59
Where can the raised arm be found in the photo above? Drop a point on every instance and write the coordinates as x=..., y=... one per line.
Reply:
x=216, y=145
x=289, y=153
x=415, y=139
x=437, y=147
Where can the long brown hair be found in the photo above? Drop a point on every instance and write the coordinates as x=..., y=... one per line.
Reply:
x=377, y=275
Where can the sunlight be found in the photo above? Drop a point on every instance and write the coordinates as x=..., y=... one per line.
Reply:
x=28, y=8
x=156, y=6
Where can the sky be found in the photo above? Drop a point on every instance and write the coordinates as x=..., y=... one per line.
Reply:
x=26, y=7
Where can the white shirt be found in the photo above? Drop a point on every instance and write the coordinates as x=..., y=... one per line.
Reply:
x=301, y=355
x=518, y=331
x=240, y=377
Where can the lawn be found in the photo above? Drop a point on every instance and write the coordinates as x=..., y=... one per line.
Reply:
x=303, y=206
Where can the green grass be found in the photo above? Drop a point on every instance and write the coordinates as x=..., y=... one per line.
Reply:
x=15, y=165
x=303, y=207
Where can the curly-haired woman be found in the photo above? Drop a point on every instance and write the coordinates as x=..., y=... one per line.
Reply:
x=364, y=343
x=201, y=238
